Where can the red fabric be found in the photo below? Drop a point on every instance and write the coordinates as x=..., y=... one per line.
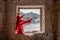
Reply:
x=20, y=23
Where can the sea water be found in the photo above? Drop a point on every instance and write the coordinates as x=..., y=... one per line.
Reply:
x=32, y=27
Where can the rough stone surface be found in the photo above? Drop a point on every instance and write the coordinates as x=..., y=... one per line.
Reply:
x=8, y=19
x=57, y=12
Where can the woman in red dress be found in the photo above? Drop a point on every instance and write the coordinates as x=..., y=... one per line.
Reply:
x=20, y=23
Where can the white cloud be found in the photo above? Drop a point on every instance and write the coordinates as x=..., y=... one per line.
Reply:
x=30, y=10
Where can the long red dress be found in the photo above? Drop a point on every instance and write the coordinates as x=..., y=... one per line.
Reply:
x=20, y=23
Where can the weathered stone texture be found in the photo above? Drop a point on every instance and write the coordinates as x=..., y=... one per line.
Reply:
x=57, y=12
x=8, y=19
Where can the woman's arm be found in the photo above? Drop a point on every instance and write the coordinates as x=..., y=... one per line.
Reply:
x=26, y=21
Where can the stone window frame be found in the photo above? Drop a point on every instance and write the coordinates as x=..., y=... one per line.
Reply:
x=42, y=15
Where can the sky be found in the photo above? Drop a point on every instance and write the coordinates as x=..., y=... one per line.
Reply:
x=30, y=10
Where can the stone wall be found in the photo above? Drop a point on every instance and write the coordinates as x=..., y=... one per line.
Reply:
x=57, y=12
x=3, y=20
x=8, y=19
